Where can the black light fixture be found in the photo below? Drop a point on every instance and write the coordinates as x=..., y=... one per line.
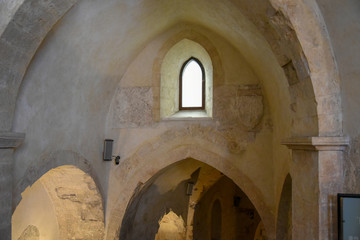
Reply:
x=108, y=146
x=107, y=154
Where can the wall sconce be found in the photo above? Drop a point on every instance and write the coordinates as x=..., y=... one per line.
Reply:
x=189, y=189
x=107, y=154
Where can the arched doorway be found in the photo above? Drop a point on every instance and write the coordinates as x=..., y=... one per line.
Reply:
x=186, y=200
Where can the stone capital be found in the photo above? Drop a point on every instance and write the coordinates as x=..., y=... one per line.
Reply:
x=317, y=143
x=11, y=139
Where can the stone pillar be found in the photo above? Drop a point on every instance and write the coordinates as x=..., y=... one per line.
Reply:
x=8, y=142
x=317, y=177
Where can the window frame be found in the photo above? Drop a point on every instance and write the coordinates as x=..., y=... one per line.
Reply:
x=202, y=107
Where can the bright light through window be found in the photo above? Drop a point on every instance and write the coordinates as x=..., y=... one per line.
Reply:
x=192, y=91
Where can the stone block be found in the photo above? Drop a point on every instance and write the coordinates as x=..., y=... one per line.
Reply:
x=37, y=17
x=290, y=73
x=5, y=120
x=330, y=124
x=12, y=57
x=6, y=155
x=30, y=233
x=58, y=7
x=5, y=170
x=133, y=107
x=18, y=38
x=301, y=66
x=328, y=104
x=240, y=106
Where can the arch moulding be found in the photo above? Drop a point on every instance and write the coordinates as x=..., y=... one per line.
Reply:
x=310, y=28
x=136, y=170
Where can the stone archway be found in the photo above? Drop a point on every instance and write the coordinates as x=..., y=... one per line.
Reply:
x=47, y=162
x=136, y=170
x=62, y=204
x=183, y=193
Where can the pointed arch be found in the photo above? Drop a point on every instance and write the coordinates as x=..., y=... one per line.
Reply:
x=135, y=170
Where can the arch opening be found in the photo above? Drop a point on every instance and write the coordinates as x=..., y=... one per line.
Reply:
x=64, y=203
x=184, y=201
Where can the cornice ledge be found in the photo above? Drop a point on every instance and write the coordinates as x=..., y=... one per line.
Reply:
x=317, y=143
x=11, y=139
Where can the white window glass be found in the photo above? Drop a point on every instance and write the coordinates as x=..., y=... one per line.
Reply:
x=192, y=85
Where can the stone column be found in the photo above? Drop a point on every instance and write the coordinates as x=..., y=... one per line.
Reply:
x=317, y=177
x=8, y=142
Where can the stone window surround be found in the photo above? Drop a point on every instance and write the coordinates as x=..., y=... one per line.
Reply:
x=218, y=73
x=171, y=69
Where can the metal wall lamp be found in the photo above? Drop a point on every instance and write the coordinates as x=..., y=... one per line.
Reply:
x=107, y=153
